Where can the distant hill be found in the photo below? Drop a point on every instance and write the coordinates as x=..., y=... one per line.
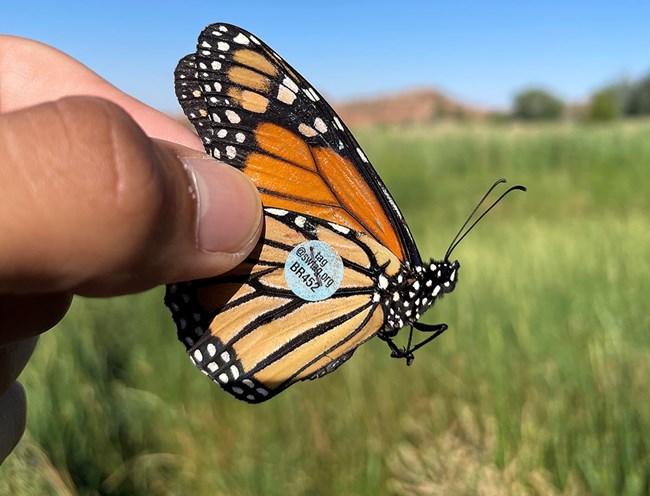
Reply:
x=421, y=105
x=414, y=106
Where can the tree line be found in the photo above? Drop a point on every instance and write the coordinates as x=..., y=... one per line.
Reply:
x=621, y=99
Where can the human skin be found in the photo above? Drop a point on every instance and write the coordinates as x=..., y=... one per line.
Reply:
x=100, y=195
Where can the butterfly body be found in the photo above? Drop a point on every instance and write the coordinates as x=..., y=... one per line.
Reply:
x=250, y=330
x=406, y=297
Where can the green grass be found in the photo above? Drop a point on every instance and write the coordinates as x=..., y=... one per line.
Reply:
x=540, y=386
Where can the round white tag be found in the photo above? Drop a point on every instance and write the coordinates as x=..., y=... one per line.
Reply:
x=313, y=270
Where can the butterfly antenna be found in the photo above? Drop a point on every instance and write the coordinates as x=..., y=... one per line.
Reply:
x=478, y=205
x=458, y=238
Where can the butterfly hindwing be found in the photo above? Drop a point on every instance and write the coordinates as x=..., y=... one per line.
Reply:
x=249, y=332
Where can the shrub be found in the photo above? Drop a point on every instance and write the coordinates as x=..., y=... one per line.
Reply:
x=537, y=104
x=638, y=101
x=603, y=106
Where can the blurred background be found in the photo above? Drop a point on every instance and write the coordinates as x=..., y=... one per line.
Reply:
x=541, y=385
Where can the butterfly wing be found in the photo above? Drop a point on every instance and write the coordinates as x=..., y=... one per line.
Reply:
x=257, y=113
x=252, y=335
x=247, y=329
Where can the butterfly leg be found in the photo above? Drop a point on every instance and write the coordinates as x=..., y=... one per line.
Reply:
x=407, y=352
x=396, y=351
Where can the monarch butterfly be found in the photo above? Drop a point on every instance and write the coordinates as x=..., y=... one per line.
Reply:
x=336, y=264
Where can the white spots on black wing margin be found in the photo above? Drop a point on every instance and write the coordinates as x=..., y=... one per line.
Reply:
x=291, y=84
x=233, y=116
x=300, y=221
x=311, y=94
x=287, y=90
x=241, y=39
x=285, y=95
x=276, y=211
x=227, y=372
x=338, y=228
x=306, y=130
x=320, y=125
x=362, y=155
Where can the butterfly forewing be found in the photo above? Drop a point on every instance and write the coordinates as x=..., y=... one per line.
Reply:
x=270, y=122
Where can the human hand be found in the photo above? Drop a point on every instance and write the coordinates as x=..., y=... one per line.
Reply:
x=96, y=199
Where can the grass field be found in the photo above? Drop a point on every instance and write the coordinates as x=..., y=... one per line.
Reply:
x=541, y=386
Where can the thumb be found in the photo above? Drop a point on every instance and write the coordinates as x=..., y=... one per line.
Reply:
x=90, y=205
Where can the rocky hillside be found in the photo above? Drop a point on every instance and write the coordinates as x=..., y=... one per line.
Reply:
x=424, y=105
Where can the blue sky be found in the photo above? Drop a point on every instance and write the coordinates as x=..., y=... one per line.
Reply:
x=480, y=52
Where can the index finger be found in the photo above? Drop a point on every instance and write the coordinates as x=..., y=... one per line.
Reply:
x=33, y=73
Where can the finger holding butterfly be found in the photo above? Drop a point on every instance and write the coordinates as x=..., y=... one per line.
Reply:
x=90, y=204
x=32, y=73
